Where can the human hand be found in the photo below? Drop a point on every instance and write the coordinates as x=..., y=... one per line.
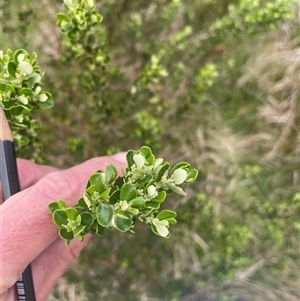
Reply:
x=27, y=232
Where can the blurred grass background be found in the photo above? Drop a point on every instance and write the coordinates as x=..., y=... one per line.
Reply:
x=214, y=83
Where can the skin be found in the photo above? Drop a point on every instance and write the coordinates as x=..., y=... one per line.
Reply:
x=27, y=232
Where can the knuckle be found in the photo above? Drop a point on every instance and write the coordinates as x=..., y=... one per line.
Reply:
x=97, y=163
x=55, y=185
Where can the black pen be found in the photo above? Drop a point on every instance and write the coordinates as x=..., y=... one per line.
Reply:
x=10, y=185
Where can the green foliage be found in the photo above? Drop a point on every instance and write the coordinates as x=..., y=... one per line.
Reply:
x=251, y=16
x=83, y=40
x=21, y=93
x=111, y=202
x=211, y=82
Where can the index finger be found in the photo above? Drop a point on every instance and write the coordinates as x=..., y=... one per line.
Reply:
x=30, y=173
x=27, y=226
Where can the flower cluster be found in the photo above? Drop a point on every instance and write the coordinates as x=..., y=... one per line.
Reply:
x=112, y=202
x=21, y=90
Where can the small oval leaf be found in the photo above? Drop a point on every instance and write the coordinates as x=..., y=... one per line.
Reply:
x=12, y=68
x=191, y=175
x=152, y=204
x=183, y=165
x=87, y=219
x=145, y=151
x=64, y=234
x=122, y=221
x=137, y=202
x=56, y=205
x=129, y=158
x=71, y=213
x=97, y=179
x=110, y=173
x=162, y=170
x=115, y=197
x=60, y=217
x=160, y=197
x=104, y=214
x=166, y=214
x=128, y=192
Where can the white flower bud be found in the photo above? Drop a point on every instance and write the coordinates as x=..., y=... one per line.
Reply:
x=179, y=176
x=20, y=118
x=158, y=162
x=23, y=99
x=161, y=227
x=139, y=160
x=43, y=97
x=21, y=57
x=90, y=3
x=151, y=191
x=37, y=90
x=25, y=67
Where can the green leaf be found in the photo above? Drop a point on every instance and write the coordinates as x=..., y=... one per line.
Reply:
x=87, y=219
x=104, y=214
x=90, y=190
x=166, y=214
x=56, y=205
x=98, y=180
x=12, y=68
x=25, y=91
x=60, y=217
x=19, y=109
x=53, y=206
x=48, y=103
x=82, y=203
x=33, y=79
x=77, y=232
x=110, y=173
x=104, y=195
x=62, y=17
x=145, y=151
x=6, y=88
x=152, y=204
x=183, y=165
x=64, y=234
x=80, y=209
x=160, y=197
x=122, y=221
x=17, y=53
x=137, y=202
x=115, y=197
x=172, y=221
x=61, y=204
x=33, y=58
x=164, y=167
x=71, y=213
x=129, y=158
x=24, y=140
x=133, y=211
x=128, y=192
x=119, y=182
x=191, y=175
x=99, y=230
